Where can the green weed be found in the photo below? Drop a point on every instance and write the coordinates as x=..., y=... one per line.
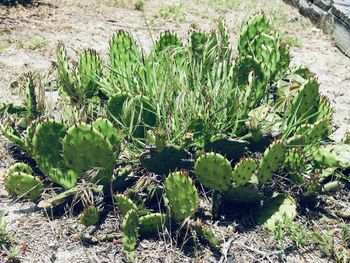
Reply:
x=140, y=5
x=172, y=13
x=37, y=43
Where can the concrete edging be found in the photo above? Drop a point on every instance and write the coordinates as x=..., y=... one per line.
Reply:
x=332, y=16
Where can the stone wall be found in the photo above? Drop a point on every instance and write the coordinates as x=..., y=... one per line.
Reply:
x=333, y=16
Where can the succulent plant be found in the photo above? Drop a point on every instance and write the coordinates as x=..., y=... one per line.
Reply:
x=243, y=171
x=205, y=233
x=153, y=224
x=47, y=148
x=124, y=204
x=246, y=194
x=270, y=161
x=181, y=196
x=21, y=184
x=130, y=231
x=214, y=171
x=20, y=168
x=90, y=216
x=89, y=154
x=106, y=128
x=333, y=156
x=274, y=210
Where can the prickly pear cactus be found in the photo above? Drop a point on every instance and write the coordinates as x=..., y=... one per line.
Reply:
x=89, y=73
x=124, y=204
x=124, y=54
x=106, y=128
x=243, y=171
x=12, y=135
x=65, y=75
x=90, y=216
x=153, y=224
x=181, y=196
x=206, y=233
x=269, y=162
x=232, y=149
x=247, y=194
x=130, y=232
x=24, y=185
x=303, y=105
x=333, y=156
x=47, y=148
x=214, y=171
x=314, y=132
x=31, y=100
x=274, y=210
x=167, y=40
x=164, y=160
x=88, y=153
x=20, y=168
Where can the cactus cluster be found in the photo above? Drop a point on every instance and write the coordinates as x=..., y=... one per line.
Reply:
x=158, y=131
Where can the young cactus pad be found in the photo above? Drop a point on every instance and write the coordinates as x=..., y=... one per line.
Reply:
x=214, y=171
x=124, y=204
x=24, y=185
x=19, y=168
x=47, y=149
x=334, y=156
x=90, y=216
x=106, y=128
x=269, y=162
x=181, y=196
x=131, y=230
x=152, y=224
x=243, y=171
x=86, y=149
x=274, y=210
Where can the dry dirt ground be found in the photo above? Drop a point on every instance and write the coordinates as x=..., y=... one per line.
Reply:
x=28, y=37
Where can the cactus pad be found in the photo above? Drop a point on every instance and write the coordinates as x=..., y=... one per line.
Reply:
x=124, y=204
x=181, y=196
x=206, y=233
x=86, y=149
x=130, y=231
x=24, y=185
x=214, y=171
x=163, y=161
x=243, y=171
x=167, y=40
x=246, y=194
x=90, y=216
x=20, y=168
x=106, y=128
x=269, y=162
x=152, y=224
x=274, y=210
x=334, y=156
x=47, y=148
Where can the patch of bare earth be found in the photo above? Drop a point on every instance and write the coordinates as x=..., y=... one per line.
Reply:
x=28, y=38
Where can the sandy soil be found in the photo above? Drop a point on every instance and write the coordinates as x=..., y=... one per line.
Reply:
x=28, y=37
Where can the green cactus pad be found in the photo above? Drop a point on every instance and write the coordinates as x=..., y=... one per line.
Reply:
x=269, y=162
x=181, y=196
x=24, y=185
x=334, y=156
x=90, y=72
x=214, y=171
x=20, y=168
x=205, y=233
x=314, y=132
x=274, y=210
x=47, y=149
x=152, y=224
x=31, y=100
x=247, y=194
x=303, y=105
x=232, y=149
x=163, y=161
x=86, y=149
x=124, y=204
x=90, y=216
x=167, y=40
x=130, y=231
x=106, y=128
x=243, y=171
x=12, y=135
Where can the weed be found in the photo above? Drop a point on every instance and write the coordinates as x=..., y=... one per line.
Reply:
x=3, y=47
x=140, y=5
x=37, y=42
x=173, y=13
x=5, y=239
